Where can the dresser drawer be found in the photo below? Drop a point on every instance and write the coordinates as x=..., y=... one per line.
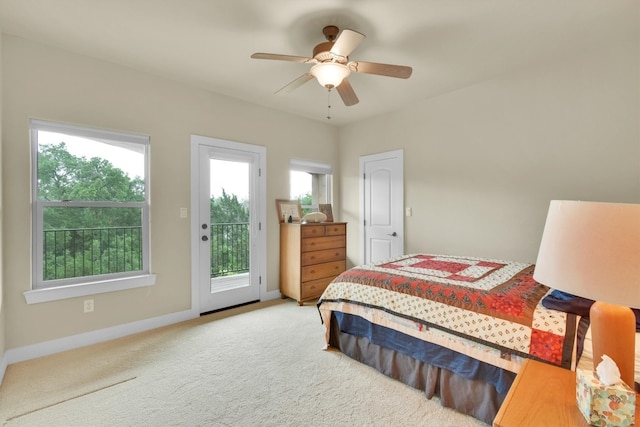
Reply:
x=312, y=230
x=317, y=257
x=320, y=243
x=335, y=229
x=314, y=288
x=318, y=271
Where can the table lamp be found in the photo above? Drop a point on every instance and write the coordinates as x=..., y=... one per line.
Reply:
x=592, y=250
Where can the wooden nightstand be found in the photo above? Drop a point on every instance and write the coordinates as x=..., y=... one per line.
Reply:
x=543, y=395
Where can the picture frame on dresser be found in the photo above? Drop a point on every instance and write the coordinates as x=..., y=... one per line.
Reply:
x=288, y=208
x=327, y=210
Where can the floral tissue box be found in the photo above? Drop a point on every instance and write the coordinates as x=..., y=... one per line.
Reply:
x=603, y=405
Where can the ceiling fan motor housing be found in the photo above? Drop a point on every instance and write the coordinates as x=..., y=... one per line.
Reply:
x=322, y=53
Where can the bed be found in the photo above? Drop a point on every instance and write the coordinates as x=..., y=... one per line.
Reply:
x=457, y=327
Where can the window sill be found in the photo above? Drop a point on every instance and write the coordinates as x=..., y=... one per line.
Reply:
x=83, y=289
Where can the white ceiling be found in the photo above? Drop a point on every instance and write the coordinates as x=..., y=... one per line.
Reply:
x=207, y=43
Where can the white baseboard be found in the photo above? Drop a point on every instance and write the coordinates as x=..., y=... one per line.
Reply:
x=271, y=295
x=101, y=335
x=46, y=348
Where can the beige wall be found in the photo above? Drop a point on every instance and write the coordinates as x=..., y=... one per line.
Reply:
x=45, y=83
x=482, y=163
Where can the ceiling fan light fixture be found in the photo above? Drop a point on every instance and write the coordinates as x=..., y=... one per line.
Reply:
x=329, y=74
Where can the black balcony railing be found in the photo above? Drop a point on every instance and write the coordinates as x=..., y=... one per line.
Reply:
x=229, y=249
x=80, y=252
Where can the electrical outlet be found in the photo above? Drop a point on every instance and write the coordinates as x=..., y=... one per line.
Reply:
x=88, y=305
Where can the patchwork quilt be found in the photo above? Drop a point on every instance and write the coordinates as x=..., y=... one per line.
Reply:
x=475, y=306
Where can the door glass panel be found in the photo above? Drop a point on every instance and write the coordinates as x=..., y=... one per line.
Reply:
x=230, y=224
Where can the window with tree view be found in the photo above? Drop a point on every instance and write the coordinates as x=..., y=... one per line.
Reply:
x=91, y=206
x=310, y=183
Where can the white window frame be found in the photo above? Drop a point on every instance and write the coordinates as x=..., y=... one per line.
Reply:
x=314, y=168
x=88, y=285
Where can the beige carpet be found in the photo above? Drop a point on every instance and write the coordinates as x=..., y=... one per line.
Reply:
x=261, y=365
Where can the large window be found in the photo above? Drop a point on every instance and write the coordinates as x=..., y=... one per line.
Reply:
x=310, y=183
x=90, y=208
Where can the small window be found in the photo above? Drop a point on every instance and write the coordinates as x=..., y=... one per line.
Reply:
x=310, y=183
x=90, y=205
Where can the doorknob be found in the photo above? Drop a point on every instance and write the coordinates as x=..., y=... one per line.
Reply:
x=204, y=226
x=205, y=238
x=394, y=234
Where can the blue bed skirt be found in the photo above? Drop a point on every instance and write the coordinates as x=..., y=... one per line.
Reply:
x=433, y=354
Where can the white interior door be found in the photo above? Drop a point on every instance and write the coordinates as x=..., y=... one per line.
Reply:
x=382, y=206
x=228, y=232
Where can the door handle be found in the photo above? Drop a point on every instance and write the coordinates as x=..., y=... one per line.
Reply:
x=204, y=238
x=394, y=234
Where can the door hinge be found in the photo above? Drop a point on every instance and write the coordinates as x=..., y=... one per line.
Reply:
x=260, y=172
x=259, y=280
x=259, y=226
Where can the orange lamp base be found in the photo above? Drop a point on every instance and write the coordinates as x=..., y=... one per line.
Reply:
x=613, y=332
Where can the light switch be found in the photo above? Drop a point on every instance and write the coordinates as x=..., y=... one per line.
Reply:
x=408, y=211
x=183, y=213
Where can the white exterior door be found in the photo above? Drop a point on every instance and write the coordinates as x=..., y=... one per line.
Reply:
x=227, y=213
x=382, y=206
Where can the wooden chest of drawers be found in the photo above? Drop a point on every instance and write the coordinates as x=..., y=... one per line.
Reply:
x=311, y=255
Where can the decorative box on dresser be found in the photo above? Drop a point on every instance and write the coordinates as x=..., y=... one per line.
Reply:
x=311, y=255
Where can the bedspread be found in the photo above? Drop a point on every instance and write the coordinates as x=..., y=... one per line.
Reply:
x=495, y=304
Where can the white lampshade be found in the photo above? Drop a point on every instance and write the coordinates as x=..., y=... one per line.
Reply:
x=592, y=250
x=329, y=74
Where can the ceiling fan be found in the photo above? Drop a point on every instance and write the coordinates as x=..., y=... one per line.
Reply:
x=332, y=66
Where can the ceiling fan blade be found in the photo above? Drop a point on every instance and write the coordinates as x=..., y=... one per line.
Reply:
x=295, y=84
x=399, y=71
x=347, y=42
x=347, y=93
x=279, y=57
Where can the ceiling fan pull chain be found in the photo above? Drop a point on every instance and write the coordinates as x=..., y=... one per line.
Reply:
x=329, y=104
